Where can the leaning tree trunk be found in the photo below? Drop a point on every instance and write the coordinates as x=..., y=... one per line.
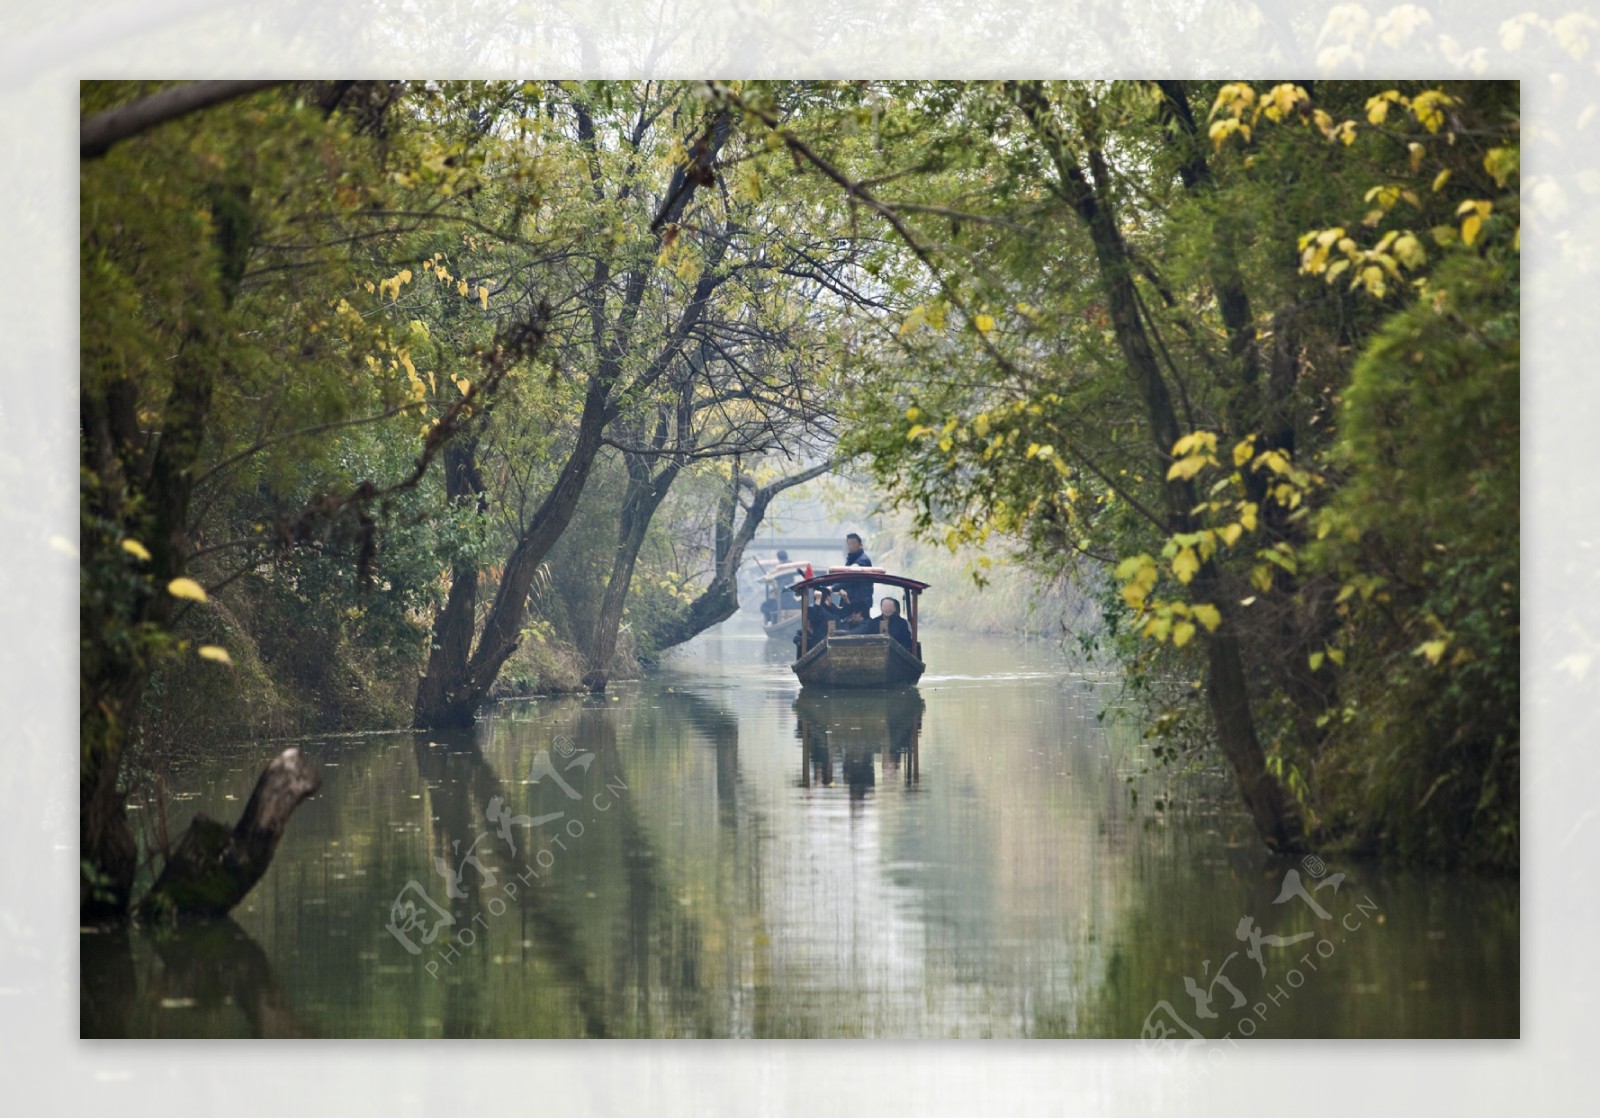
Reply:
x=213, y=867
x=720, y=600
x=457, y=684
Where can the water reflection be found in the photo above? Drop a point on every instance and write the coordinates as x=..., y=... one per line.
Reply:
x=860, y=729
x=653, y=866
x=201, y=979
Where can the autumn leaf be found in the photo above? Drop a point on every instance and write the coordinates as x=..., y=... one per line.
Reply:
x=136, y=549
x=215, y=653
x=184, y=587
x=1185, y=565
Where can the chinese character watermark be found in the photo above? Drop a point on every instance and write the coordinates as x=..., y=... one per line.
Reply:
x=419, y=923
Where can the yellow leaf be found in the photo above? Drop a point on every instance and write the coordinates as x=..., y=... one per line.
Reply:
x=1261, y=576
x=1129, y=567
x=1316, y=661
x=1470, y=228
x=1208, y=616
x=1181, y=633
x=136, y=549
x=483, y=297
x=1336, y=656
x=1230, y=534
x=1188, y=467
x=1410, y=251
x=1247, y=516
x=1243, y=449
x=1432, y=650
x=1185, y=564
x=184, y=587
x=215, y=653
x=461, y=287
x=984, y=323
x=1440, y=179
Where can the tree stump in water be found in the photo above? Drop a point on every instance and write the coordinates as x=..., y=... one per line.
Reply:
x=212, y=867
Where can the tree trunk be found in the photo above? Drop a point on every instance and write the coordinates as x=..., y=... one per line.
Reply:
x=120, y=499
x=212, y=868
x=720, y=600
x=453, y=628
x=456, y=684
x=1276, y=815
x=639, y=505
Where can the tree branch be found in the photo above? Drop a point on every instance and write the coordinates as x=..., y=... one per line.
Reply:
x=100, y=132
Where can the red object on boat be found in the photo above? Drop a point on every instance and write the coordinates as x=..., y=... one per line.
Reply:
x=809, y=575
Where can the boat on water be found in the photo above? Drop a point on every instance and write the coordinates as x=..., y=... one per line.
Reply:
x=842, y=657
x=784, y=621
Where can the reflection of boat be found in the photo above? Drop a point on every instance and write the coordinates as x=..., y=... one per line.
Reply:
x=834, y=659
x=855, y=727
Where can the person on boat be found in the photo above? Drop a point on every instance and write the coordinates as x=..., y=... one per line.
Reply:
x=823, y=608
x=857, y=592
x=788, y=598
x=889, y=611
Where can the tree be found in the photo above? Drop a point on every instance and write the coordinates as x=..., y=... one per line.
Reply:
x=219, y=350
x=1130, y=294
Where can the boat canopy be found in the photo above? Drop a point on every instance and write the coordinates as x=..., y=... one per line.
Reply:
x=859, y=575
x=772, y=573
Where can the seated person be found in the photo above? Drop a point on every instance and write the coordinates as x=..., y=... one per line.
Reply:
x=889, y=611
x=769, y=605
x=824, y=608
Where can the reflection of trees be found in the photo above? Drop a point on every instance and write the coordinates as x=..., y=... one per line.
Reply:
x=660, y=943
x=461, y=783
x=858, y=727
x=207, y=967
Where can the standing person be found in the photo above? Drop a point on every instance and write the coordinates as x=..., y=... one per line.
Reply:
x=857, y=593
x=788, y=599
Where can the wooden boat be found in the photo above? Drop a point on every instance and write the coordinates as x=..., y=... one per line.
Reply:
x=784, y=629
x=787, y=623
x=859, y=660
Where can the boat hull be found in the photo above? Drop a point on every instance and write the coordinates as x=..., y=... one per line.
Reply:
x=858, y=660
x=784, y=628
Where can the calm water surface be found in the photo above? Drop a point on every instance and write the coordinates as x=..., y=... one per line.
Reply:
x=710, y=854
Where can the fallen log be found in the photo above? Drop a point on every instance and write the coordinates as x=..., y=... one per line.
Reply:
x=212, y=868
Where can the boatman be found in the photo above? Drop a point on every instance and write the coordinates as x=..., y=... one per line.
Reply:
x=857, y=592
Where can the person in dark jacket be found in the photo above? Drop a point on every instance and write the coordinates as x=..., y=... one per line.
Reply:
x=857, y=592
x=889, y=610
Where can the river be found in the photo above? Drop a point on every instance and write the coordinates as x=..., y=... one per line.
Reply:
x=707, y=853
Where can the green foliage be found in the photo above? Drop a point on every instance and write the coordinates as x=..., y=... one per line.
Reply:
x=1423, y=749
x=1267, y=246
